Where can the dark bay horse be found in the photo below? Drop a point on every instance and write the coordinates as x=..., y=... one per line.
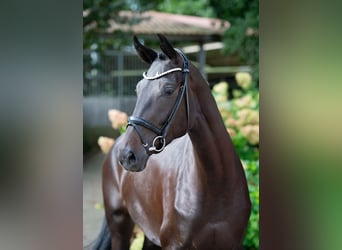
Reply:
x=175, y=172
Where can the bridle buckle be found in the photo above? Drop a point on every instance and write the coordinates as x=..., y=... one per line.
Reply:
x=154, y=148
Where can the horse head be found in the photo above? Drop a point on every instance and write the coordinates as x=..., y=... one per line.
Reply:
x=161, y=113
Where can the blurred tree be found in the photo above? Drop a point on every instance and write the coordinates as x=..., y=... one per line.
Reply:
x=96, y=17
x=191, y=7
x=242, y=38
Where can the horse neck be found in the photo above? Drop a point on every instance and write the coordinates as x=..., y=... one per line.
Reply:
x=214, y=150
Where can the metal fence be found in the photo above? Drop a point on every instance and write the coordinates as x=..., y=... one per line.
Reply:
x=112, y=73
x=109, y=81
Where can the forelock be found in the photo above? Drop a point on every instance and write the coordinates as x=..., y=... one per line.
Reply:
x=162, y=56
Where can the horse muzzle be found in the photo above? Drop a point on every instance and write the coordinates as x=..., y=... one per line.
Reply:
x=131, y=155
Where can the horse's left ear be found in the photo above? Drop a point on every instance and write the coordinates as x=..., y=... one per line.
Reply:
x=146, y=54
x=167, y=48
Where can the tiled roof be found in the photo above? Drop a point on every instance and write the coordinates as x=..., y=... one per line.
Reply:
x=152, y=22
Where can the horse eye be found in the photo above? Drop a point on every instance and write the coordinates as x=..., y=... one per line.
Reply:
x=168, y=91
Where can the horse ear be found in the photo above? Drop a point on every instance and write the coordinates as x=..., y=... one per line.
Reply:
x=146, y=54
x=167, y=48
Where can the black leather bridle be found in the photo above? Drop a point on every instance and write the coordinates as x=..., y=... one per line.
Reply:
x=158, y=143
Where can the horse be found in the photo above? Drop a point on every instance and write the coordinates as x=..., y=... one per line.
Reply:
x=174, y=172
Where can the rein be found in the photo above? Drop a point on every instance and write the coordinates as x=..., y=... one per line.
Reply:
x=162, y=132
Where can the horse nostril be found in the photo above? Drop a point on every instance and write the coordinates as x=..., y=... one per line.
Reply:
x=131, y=158
x=127, y=158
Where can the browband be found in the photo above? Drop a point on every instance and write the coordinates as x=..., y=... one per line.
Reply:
x=162, y=74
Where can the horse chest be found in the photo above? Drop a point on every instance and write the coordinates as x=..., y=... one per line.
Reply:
x=173, y=203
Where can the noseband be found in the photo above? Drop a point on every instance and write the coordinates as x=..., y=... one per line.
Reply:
x=162, y=132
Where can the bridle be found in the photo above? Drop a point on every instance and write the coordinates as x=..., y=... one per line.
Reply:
x=161, y=133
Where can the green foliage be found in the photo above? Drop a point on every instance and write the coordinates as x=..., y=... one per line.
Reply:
x=244, y=149
x=241, y=117
x=251, y=240
x=97, y=15
x=191, y=7
x=241, y=141
x=242, y=38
